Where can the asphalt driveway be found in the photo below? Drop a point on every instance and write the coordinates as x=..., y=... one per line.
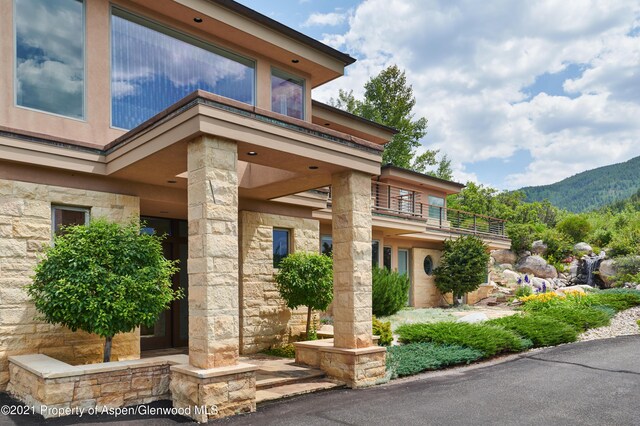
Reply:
x=588, y=383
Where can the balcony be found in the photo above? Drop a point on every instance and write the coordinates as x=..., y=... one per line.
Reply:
x=407, y=204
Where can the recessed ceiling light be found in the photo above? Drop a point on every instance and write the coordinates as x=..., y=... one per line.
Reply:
x=313, y=167
x=295, y=61
x=327, y=124
x=252, y=153
x=171, y=181
x=197, y=20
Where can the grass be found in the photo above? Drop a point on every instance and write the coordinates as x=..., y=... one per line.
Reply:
x=420, y=315
x=490, y=340
x=540, y=329
x=414, y=358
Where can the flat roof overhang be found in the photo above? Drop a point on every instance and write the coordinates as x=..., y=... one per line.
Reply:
x=156, y=151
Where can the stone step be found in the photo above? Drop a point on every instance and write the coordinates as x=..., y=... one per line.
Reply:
x=266, y=380
x=294, y=389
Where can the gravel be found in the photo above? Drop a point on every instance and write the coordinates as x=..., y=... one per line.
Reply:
x=623, y=324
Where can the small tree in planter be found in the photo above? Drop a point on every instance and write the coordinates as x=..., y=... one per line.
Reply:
x=103, y=278
x=306, y=279
x=463, y=266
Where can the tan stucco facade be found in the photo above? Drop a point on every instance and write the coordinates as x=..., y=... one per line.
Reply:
x=25, y=225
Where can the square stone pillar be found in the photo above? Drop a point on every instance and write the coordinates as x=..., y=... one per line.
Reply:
x=213, y=252
x=351, y=222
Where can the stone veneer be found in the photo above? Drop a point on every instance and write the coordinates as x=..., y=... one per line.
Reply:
x=41, y=381
x=264, y=317
x=25, y=225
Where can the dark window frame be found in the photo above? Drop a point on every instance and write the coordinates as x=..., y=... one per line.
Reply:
x=54, y=207
x=276, y=262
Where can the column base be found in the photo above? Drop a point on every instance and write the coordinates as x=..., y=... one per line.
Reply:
x=358, y=368
x=213, y=393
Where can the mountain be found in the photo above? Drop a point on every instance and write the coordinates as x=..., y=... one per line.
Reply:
x=591, y=189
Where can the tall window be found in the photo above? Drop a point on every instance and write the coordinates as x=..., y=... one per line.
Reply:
x=62, y=216
x=287, y=94
x=375, y=253
x=436, y=207
x=386, y=257
x=153, y=67
x=280, y=245
x=49, y=73
x=326, y=245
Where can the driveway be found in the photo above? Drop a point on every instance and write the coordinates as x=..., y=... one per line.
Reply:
x=587, y=383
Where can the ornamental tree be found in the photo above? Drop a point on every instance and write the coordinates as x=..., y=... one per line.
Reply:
x=463, y=266
x=103, y=278
x=306, y=279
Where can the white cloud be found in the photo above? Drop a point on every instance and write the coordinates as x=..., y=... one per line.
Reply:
x=324, y=19
x=469, y=64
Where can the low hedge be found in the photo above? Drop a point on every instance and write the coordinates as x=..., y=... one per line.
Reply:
x=540, y=329
x=414, y=358
x=490, y=340
x=618, y=299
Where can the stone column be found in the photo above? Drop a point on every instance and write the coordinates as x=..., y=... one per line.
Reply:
x=351, y=222
x=213, y=253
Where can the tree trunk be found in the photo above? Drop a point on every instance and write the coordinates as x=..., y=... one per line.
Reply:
x=107, y=349
x=308, y=321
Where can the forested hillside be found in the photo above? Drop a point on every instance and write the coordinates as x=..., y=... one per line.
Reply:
x=591, y=189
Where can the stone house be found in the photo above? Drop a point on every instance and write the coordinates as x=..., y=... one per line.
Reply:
x=196, y=115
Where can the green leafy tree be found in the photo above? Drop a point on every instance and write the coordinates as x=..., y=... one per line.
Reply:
x=103, y=278
x=463, y=266
x=390, y=291
x=389, y=100
x=306, y=279
x=577, y=227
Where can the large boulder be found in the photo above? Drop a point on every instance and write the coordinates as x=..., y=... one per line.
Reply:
x=536, y=266
x=504, y=256
x=539, y=247
x=607, y=271
x=582, y=248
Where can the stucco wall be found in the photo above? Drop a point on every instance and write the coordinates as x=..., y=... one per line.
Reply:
x=25, y=224
x=424, y=291
x=264, y=318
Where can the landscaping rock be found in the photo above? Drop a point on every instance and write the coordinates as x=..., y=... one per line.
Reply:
x=607, y=271
x=638, y=287
x=506, y=266
x=473, y=318
x=504, y=256
x=539, y=283
x=536, y=266
x=579, y=288
x=582, y=248
x=511, y=276
x=539, y=247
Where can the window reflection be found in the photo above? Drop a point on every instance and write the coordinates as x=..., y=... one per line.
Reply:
x=50, y=56
x=153, y=67
x=287, y=94
x=280, y=246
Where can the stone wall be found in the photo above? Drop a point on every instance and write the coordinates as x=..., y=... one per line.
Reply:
x=264, y=318
x=40, y=381
x=25, y=225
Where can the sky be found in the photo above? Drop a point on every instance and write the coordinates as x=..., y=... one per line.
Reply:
x=516, y=93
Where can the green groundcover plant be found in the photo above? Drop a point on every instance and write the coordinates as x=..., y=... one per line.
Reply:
x=488, y=339
x=581, y=318
x=540, y=329
x=103, y=278
x=414, y=358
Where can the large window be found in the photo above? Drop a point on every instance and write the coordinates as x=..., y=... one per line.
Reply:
x=153, y=67
x=287, y=94
x=49, y=74
x=62, y=216
x=280, y=245
x=436, y=207
x=326, y=245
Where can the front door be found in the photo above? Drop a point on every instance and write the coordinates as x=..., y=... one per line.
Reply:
x=171, y=330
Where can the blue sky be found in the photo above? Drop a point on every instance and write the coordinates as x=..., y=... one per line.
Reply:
x=516, y=93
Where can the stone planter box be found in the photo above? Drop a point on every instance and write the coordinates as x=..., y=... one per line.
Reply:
x=51, y=386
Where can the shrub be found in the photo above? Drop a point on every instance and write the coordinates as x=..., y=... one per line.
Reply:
x=382, y=329
x=414, y=358
x=627, y=269
x=306, y=279
x=286, y=351
x=523, y=291
x=558, y=245
x=580, y=317
x=522, y=235
x=103, y=278
x=541, y=330
x=488, y=339
x=463, y=266
x=576, y=227
x=390, y=291
x=618, y=299
x=602, y=237
x=626, y=242
x=536, y=302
